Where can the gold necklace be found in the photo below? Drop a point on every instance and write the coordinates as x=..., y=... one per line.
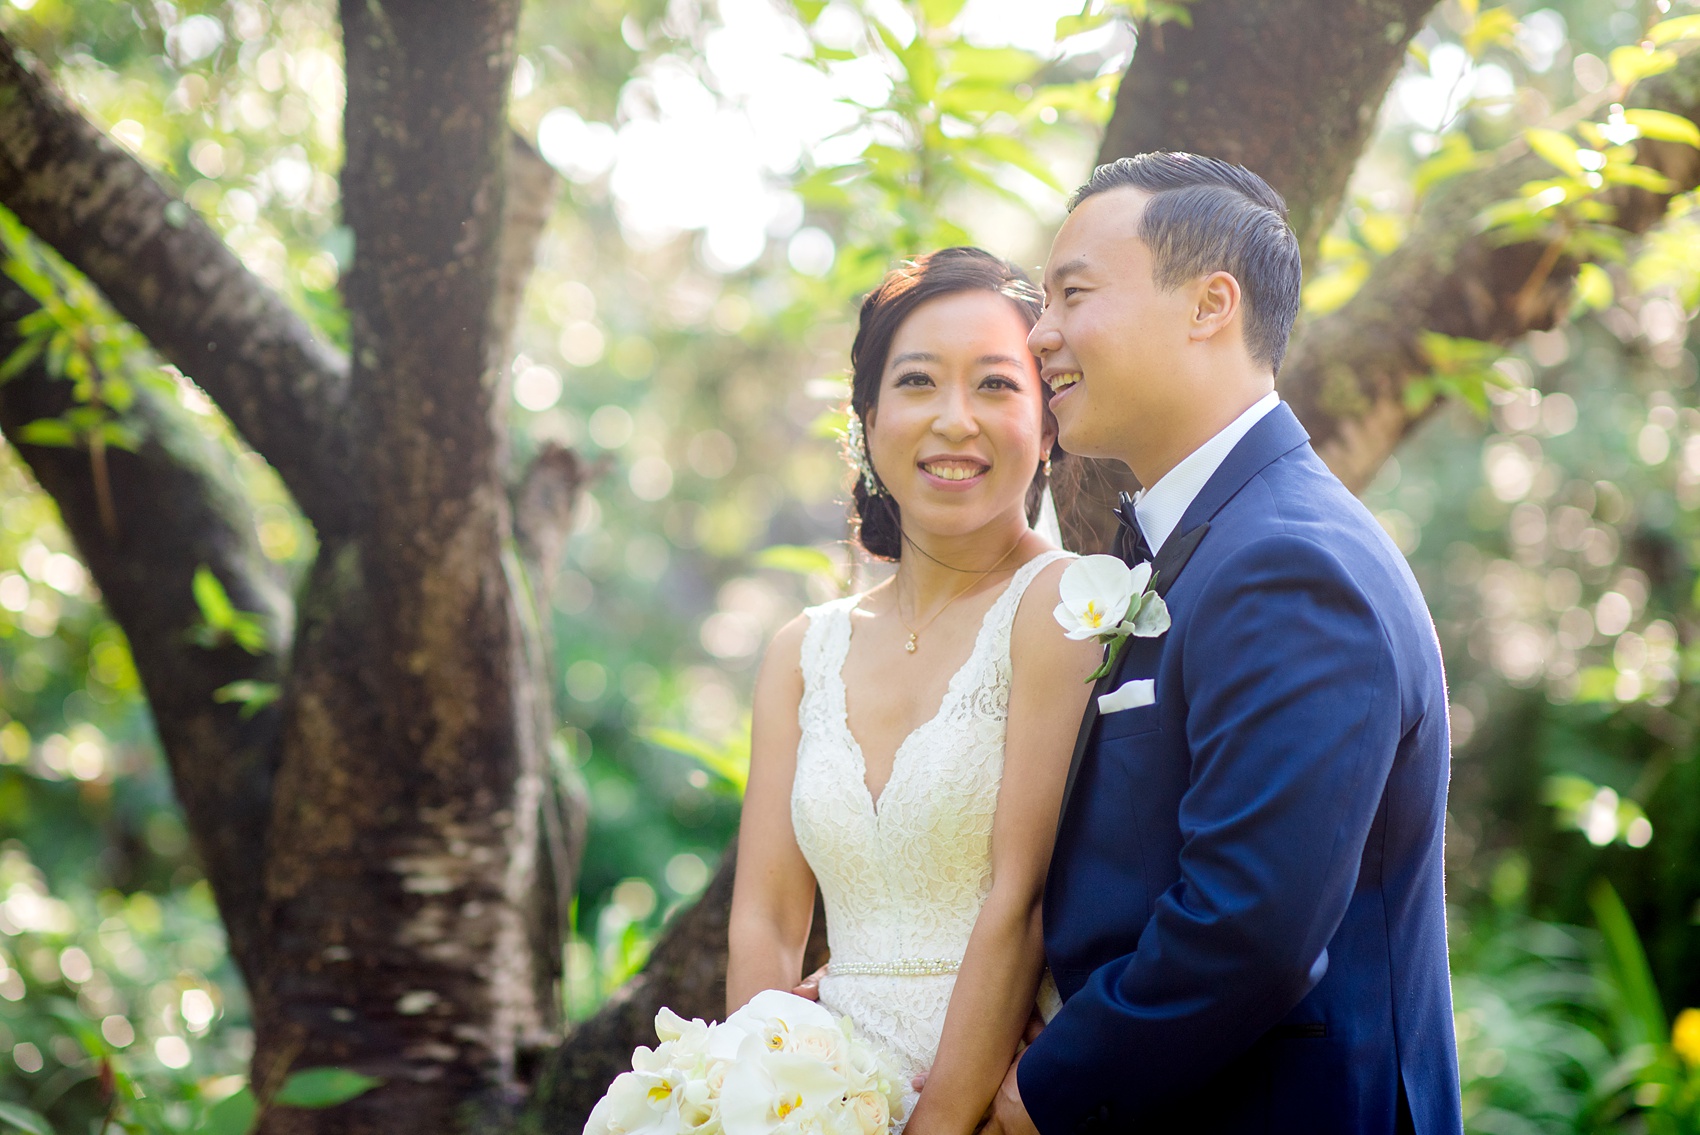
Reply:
x=915, y=632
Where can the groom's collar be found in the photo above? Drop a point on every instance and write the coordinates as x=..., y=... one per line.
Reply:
x=1161, y=506
x=1276, y=435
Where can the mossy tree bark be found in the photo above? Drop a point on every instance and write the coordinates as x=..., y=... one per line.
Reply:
x=384, y=840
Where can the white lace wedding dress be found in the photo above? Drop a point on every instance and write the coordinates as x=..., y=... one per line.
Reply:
x=904, y=881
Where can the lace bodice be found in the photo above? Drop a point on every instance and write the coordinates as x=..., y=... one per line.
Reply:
x=903, y=882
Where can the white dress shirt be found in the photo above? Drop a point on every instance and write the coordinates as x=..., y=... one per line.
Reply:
x=1160, y=507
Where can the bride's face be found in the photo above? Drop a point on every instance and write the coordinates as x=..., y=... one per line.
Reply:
x=959, y=427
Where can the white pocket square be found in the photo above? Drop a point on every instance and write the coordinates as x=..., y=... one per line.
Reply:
x=1131, y=695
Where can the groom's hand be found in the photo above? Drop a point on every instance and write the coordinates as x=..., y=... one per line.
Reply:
x=1009, y=1114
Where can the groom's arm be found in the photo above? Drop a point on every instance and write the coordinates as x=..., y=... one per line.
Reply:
x=1293, y=719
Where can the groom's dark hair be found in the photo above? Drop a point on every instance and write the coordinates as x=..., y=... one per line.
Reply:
x=1207, y=215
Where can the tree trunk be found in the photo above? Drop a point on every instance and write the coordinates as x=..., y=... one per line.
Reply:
x=1290, y=89
x=402, y=859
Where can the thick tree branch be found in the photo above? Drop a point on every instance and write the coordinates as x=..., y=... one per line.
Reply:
x=1287, y=88
x=174, y=508
x=167, y=272
x=1348, y=372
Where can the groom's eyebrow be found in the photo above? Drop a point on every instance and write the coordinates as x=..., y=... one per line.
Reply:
x=1068, y=268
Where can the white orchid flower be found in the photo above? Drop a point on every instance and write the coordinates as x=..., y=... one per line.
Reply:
x=1095, y=593
x=639, y=1103
x=1104, y=599
x=766, y=1088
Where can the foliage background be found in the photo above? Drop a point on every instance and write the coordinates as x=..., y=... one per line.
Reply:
x=689, y=323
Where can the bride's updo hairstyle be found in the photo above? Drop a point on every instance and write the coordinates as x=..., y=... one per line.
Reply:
x=905, y=288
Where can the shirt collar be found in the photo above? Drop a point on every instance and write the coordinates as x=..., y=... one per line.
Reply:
x=1160, y=507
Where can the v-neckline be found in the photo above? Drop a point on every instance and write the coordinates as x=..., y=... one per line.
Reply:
x=950, y=693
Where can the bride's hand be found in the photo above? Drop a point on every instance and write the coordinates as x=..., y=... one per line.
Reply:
x=809, y=988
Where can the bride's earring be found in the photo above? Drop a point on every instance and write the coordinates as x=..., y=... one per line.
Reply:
x=1047, y=465
x=856, y=452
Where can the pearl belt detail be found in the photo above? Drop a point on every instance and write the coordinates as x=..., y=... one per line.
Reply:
x=902, y=967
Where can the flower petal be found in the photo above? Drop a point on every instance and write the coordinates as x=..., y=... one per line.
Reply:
x=1139, y=577
x=1094, y=577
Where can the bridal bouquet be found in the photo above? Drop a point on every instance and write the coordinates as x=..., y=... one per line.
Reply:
x=781, y=1064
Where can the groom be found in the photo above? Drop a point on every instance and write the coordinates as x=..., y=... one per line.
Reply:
x=1244, y=914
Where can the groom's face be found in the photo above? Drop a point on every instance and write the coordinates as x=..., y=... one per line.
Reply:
x=1109, y=339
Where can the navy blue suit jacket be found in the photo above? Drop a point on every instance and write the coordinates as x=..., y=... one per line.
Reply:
x=1244, y=913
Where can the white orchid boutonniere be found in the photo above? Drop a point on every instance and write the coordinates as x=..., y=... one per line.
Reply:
x=1103, y=598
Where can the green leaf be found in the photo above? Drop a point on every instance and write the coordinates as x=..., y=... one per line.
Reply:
x=14, y=1115
x=216, y=609
x=939, y=13
x=1642, y=177
x=1669, y=31
x=1594, y=289
x=1013, y=151
x=232, y=1115
x=58, y=352
x=1074, y=25
x=1632, y=64
x=1455, y=156
x=55, y=433
x=323, y=1087
x=1171, y=13
x=809, y=10
x=1559, y=149
x=798, y=558
x=247, y=632
x=729, y=761
x=992, y=64
x=1643, y=1013
x=1494, y=26
x=1663, y=125
x=21, y=357
x=253, y=695
x=1330, y=290
x=118, y=435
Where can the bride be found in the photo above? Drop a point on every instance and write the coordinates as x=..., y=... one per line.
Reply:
x=910, y=743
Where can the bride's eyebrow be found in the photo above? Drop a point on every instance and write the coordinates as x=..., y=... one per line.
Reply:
x=913, y=357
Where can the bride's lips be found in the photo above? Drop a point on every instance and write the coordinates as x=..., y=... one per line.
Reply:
x=953, y=474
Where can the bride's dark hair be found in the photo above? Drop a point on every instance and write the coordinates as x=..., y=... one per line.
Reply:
x=905, y=288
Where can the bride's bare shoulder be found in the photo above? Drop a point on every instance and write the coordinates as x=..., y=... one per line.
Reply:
x=785, y=649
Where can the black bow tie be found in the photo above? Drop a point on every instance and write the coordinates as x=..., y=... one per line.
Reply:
x=1130, y=541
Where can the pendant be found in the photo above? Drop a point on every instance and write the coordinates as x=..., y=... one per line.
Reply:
x=910, y=645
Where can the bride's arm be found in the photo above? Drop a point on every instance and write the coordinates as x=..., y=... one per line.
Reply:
x=773, y=890
x=999, y=978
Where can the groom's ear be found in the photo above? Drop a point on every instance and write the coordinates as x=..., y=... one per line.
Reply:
x=1217, y=303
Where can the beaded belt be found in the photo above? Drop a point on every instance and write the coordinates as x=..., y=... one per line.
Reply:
x=902, y=967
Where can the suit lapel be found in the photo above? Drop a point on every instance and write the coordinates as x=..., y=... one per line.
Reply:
x=1165, y=569
x=1276, y=434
